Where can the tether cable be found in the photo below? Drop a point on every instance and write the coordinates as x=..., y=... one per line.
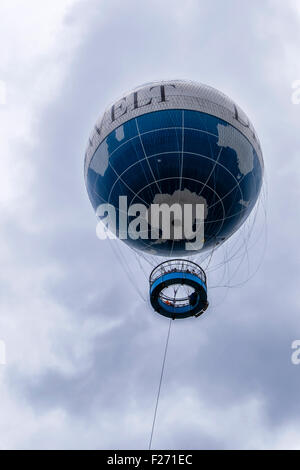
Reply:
x=160, y=382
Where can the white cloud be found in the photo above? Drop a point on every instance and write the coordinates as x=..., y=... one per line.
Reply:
x=63, y=324
x=36, y=45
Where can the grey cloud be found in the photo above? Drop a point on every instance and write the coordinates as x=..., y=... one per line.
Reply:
x=240, y=348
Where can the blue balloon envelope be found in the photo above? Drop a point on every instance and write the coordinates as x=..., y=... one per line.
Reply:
x=176, y=142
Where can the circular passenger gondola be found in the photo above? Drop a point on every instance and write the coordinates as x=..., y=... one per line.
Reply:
x=178, y=289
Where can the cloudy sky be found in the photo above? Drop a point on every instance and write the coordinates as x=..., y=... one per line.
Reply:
x=83, y=352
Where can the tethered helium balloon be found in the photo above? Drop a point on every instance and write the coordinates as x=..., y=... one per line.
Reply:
x=181, y=154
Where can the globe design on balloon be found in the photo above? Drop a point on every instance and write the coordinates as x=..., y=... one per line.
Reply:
x=177, y=142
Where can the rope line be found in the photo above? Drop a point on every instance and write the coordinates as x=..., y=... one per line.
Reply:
x=160, y=382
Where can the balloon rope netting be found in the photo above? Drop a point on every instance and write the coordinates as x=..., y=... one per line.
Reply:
x=223, y=264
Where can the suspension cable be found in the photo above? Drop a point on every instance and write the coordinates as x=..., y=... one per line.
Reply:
x=160, y=382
